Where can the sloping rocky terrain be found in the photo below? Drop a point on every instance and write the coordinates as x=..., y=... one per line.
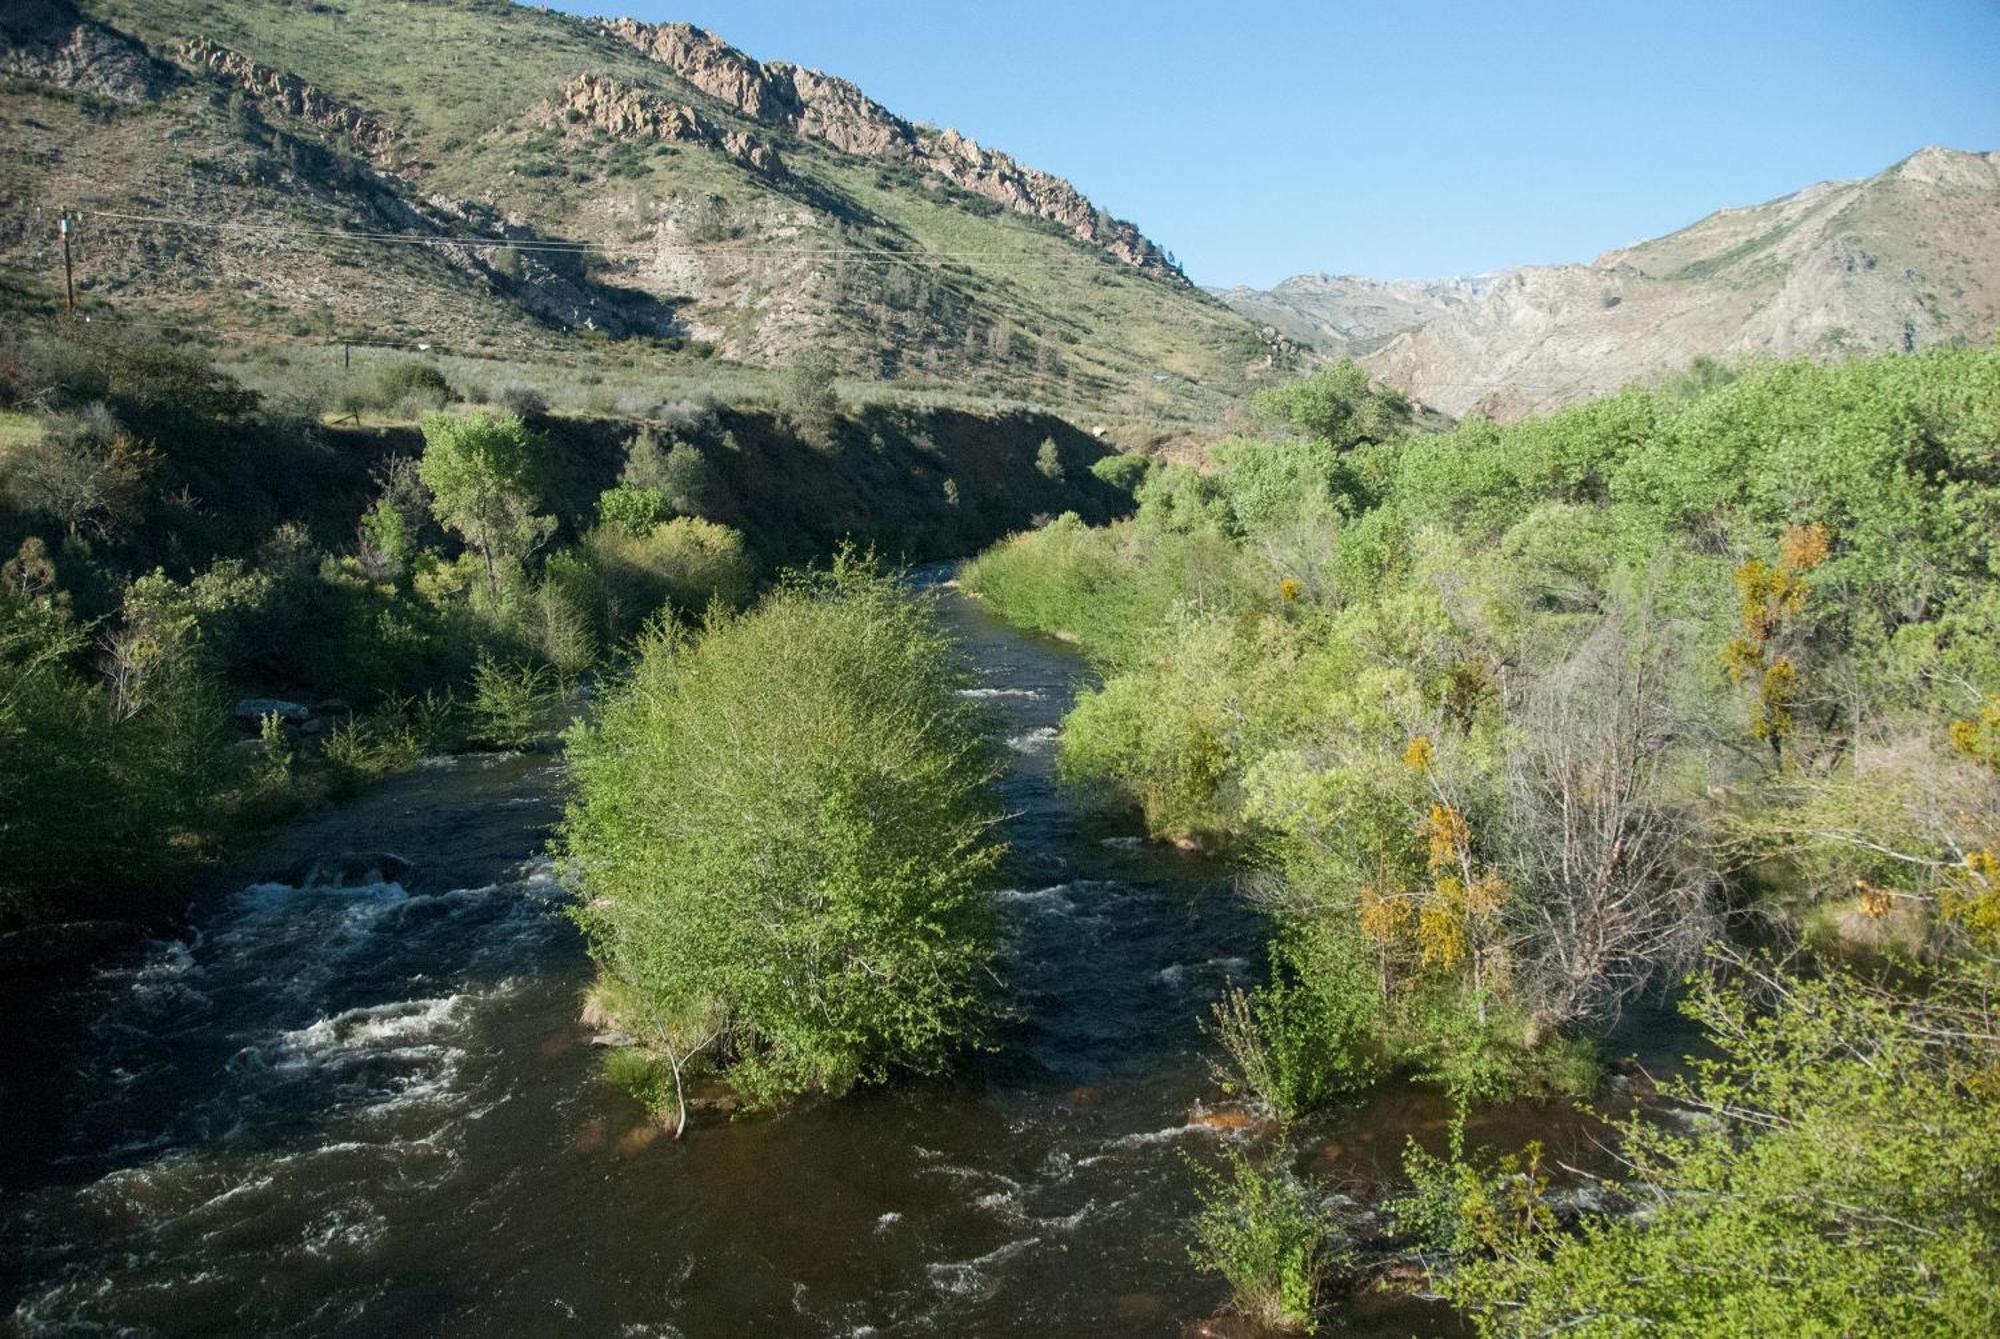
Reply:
x=483, y=176
x=1348, y=315
x=1904, y=259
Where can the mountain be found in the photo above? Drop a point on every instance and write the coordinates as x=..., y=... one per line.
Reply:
x=1346, y=315
x=482, y=176
x=1903, y=259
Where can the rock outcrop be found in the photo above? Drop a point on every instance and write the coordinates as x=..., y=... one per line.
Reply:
x=836, y=112
x=592, y=101
x=288, y=94
x=50, y=42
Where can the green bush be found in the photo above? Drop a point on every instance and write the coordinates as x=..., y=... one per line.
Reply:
x=1512, y=712
x=684, y=564
x=634, y=510
x=100, y=787
x=1260, y=1229
x=417, y=383
x=1122, y=470
x=1836, y=1178
x=512, y=704
x=782, y=833
x=1339, y=406
x=1304, y=1038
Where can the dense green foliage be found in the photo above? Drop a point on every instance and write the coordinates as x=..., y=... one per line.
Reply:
x=458, y=582
x=167, y=538
x=1259, y=1228
x=1835, y=1172
x=1516, y=719
x=1338, y=407
x=782, y=831
x=480, y=471
x=96, y=778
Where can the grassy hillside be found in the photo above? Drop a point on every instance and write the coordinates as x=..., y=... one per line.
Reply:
x=742, y=241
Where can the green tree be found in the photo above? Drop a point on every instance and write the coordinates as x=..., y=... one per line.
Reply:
x=1339, y=406
x=481, y=473
x=782, y=831
x=686, y=479
x=1048, y=460
x=810, y=404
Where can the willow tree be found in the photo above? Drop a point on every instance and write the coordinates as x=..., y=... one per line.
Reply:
x=781, y=832
x=481, y=472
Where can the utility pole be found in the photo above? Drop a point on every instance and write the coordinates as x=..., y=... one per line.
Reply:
x=69, y=280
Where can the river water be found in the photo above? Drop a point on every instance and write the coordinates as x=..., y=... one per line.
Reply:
x=368, y=1108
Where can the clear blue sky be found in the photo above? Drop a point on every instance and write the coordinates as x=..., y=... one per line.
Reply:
x=1257, y=140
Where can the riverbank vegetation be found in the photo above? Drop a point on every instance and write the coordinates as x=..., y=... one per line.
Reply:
x=782, y=829
x=1521, y=724
x=181, y=557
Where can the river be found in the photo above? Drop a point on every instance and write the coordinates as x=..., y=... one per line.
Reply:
x=368, y=1108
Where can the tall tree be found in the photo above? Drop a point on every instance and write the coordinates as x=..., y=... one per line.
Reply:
x=481, y=471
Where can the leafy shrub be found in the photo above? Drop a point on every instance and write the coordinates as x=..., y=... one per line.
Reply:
x=512, y=704
x=1121, y=470
x=782, y=833
x=633, y=510
x=413, y=383
x=1259, y=1228
x=1302, y=1039
x=98, y=786
x=1836, y=1180
x=683, y=563
x=1339, y=406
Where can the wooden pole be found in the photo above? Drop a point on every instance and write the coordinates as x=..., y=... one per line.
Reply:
x=69, y=279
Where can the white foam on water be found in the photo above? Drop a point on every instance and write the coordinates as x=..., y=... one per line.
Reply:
x=369, y=1028
x=1066, y=1222
x=1123, y=843
x=1146, y=1138
x=347, y=1229
x=888, y=1220
x=967, y=1278
x=1035, y=740
x=975, y=1174
x=1032, y=694
x=1051, y=901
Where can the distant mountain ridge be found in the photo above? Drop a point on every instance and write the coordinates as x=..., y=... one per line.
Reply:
x=1348, y=315
x=1900, y=260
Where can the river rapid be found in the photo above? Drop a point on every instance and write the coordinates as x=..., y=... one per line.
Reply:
x=360, y=1102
